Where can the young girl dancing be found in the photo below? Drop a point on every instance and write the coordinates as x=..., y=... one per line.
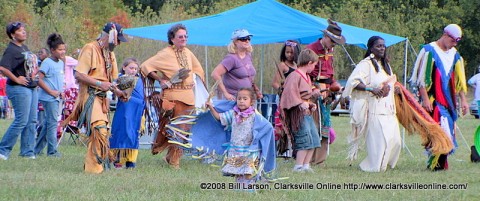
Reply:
x=251, y=144
x=298, y=106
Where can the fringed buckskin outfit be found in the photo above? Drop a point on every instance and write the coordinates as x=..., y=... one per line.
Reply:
x=91, y=108
x=177, y=100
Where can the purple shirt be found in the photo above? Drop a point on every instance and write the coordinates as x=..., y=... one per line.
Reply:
x=240, y=72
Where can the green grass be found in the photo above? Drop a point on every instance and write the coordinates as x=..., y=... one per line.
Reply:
x=64, y=179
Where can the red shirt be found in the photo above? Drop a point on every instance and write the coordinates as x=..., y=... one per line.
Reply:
x=325, y=61
x=3, y=84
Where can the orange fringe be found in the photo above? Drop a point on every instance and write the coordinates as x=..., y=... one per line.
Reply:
x=415, y=119
x=100, y=142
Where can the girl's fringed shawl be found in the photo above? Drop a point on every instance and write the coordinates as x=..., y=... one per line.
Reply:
x=415, y=119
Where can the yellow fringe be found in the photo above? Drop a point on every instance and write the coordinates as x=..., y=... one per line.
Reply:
x=434, y=162
x=187, y=145
x=125, y=155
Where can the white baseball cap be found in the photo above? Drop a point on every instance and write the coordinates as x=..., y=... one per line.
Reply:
x=240, y=33
x=454, y=31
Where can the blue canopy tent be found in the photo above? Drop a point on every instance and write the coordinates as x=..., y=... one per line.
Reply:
x=268, y=20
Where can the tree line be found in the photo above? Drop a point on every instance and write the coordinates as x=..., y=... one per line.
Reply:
x=79, y=22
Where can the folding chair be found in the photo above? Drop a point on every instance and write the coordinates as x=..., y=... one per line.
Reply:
x=75, y=136
x=74, y=132
x=268, y=106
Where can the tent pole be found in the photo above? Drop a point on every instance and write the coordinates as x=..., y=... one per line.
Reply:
x=262, y=66
x=405, y=64
x=405, y=84
x=411, y=47
x=349, y=57
x=206, y=67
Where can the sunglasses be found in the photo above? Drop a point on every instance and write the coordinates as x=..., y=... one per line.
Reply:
x=14, y=26
x=458, y=39
x=243, y=39
x=333, y=42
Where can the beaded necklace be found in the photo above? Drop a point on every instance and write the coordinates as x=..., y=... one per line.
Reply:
x=181, y=57
x=108, y=62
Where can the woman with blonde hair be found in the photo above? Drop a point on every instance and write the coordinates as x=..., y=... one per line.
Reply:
x=236, y=70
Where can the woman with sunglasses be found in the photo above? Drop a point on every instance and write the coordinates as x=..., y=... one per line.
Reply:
x=20, y=66
x=440, y=75
x=179, y=73
x=236, y=70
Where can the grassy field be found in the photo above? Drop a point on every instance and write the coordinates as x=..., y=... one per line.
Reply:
x=63, y=178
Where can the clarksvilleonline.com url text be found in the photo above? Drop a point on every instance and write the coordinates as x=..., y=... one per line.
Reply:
x=333, y=186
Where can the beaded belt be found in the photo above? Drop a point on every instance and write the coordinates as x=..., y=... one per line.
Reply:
x=97, y=92
x=238, y=161
x=180, y=86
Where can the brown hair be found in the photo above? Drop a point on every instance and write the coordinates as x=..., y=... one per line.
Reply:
x=306, y=55
x=253, y=95
x=128, y=61
x=173, y=30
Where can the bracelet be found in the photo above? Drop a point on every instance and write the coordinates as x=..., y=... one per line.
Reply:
x=368, y=89
x=98, y=83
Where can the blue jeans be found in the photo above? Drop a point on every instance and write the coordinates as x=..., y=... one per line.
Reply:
x=25, y=104
x=307, y=135
x=48, y=134
x=478, y=107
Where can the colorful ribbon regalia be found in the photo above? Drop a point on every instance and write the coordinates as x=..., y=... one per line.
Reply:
x=209, y=141
x=415, y=119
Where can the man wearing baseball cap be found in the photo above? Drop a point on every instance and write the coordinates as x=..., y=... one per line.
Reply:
x=95, y=72
x=322, y=78
x=440, y=75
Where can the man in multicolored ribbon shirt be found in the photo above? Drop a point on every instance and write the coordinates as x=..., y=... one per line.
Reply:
x=440, y=75
x=95, y=72
x=322, y=78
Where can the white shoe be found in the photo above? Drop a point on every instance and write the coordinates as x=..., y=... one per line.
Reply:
x=298, y=169
x=310, y=170
x=3, y=157
x=31, y=157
